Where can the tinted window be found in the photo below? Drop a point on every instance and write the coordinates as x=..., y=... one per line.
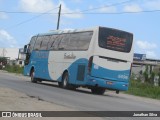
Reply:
x=65, y=40
x=55, y=41
x=31, y=44
x=80, y=41
x=38, y=43
x=52, y=40
x=115, y=40
x=45, y=42
x=75, y=41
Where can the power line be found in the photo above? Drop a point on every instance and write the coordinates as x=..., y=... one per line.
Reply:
x=2, y=11
x=115, y=4
x=18, y=12
x=28, y=20
x=80, y=12
x=94, y=12
x=84, y=11
x=23, y=22
x=149, y=11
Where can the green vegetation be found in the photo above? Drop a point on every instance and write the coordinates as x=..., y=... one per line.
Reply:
x=159, y=78
x=143, y=85
x=14, y=69
x=144, y=89
x=3, y=62
x=146, y=75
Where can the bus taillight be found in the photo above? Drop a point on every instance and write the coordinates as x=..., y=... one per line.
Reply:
x=130, y=70
x=90, y=64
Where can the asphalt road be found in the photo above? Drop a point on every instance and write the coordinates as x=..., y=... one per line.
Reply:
x=80, y=99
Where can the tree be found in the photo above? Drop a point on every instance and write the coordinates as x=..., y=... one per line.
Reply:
x=145, y=74
x=159, y=78
x=3, y=60
x=152, y=77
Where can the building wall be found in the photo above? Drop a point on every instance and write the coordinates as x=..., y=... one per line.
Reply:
x=137, y=68
x=12, y=53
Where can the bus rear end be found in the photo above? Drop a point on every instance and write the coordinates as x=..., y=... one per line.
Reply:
x=110, y=65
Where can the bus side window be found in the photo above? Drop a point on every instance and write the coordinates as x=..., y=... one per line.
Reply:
x=80, y=41
x=45, y=42
x=56, y=42
x=72, y=44
x=64, y=42
x=38, y=43
x=84, y=40
x=51, y=42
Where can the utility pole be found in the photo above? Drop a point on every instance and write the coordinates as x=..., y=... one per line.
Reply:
x=59, y=15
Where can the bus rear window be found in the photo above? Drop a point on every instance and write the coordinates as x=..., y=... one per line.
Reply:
x=115, y=40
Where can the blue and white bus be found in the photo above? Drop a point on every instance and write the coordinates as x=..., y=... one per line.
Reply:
x=98, y=58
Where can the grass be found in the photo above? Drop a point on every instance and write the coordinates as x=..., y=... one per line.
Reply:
x=14, y=69
x=143, y=89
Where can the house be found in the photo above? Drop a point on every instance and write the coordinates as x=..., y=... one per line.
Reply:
x=15, y=55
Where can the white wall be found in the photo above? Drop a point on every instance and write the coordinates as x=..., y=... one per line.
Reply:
x=10, y=52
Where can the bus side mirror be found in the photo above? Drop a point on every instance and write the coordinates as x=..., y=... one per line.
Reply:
x=25, y=49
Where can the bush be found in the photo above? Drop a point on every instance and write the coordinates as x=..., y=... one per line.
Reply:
x=144, y=89
x=152, y=78
x=14, y=69
x=146, y=76
x=159, y=78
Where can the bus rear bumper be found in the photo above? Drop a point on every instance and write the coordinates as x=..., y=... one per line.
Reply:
x=108, y=84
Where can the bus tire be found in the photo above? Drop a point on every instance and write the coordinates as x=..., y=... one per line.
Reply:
x=98, y=91
x=33, y=79
x=60, y=84
x=65, y=81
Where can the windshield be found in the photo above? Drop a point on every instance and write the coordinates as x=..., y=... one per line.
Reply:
x=115, y=40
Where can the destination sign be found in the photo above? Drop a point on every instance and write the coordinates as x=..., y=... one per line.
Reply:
x=116, y=43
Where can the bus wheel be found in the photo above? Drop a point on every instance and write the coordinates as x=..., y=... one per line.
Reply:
x=60, y=84
x=33, y=79
x=65, y=80
x=98, y=91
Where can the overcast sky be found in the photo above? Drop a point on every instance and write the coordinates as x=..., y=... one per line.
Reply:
x=17, y=28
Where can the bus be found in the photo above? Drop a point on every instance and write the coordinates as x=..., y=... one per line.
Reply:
x=98, y=58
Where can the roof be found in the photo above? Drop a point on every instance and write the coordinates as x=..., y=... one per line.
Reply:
x=154, y=60
x=75, y=30
x=67, y=31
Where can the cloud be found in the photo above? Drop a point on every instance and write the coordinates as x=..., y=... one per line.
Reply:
x=46, y=5
x=147, y=48
x=103, y=9
x=132, y=8
x=145, y=45
x=77, y=1
x=152, y=4
x=36, y=5
x=65, y=9
x=108, y=9
x=3, y=15
x=151, y=54
x=6, y=40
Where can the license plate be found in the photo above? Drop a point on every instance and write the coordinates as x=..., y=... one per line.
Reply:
x=109, y=83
